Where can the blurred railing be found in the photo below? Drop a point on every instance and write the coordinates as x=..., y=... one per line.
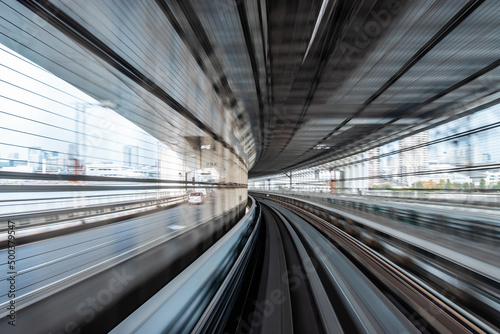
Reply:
x=471, y=226
x=476, y=197
x=199, y=298
x=89, y=214
x=35, y=200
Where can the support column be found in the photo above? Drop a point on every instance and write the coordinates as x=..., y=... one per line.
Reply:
x=332, y=181
x=290, y=177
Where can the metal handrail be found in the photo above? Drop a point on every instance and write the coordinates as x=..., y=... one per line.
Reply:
x=181, y=306
x=93, y=178
x=39, y=218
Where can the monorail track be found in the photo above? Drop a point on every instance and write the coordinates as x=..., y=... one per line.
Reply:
x=436, y=314
x=303, y=283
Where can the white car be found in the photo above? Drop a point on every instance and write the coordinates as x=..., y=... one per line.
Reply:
x=195, y=198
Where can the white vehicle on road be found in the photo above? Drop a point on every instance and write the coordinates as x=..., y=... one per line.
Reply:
x=195, y=198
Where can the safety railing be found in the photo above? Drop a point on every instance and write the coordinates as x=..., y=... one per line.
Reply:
x=471, y=226
x=198, y=298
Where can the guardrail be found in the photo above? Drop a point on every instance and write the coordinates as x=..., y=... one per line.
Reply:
x=86, y=214
x=34, y=200
x=470, y=226
x=198, y=298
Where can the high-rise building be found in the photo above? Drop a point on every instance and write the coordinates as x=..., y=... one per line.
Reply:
x=373, y=167
x=130, y=156
x=14, y=159
x=413, y=157
x=35, y=158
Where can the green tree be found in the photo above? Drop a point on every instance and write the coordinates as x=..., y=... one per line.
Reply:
x=383, y=186
x=419, y=185
x=448, y=184
x=442, y=184
x=483, y=184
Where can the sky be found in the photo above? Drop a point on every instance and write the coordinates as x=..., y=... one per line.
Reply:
x=37, y=109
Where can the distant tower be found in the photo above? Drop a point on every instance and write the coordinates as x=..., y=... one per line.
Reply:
x=130, y=156
x=373, y=167
x=35, y=158
x=414, y=156
x=14, y=159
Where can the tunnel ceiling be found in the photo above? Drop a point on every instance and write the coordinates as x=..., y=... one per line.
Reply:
x=344, y=76
x=307, y=81
x=322, y=80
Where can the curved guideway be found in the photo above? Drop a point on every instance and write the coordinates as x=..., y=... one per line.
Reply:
x=429, y=310
x=465, y=279
x=301, y=283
